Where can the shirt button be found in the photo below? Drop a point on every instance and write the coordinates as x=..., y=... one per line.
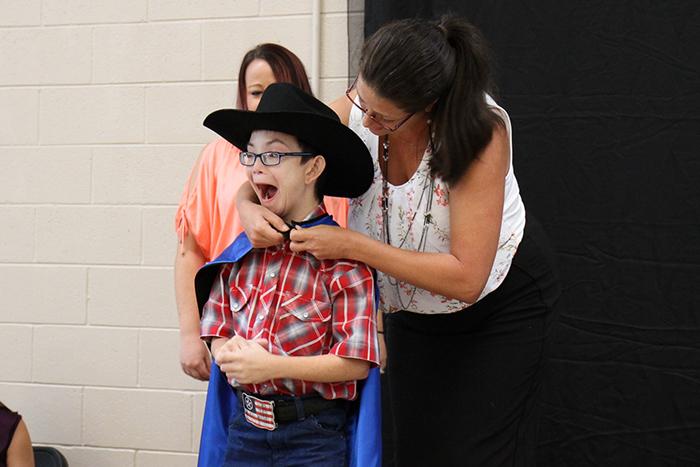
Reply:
x=272, y=274
x=306, y=315
x=235, y=307
x=260, y=317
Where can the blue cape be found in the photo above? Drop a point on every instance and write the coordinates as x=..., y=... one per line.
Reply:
x=364, y=426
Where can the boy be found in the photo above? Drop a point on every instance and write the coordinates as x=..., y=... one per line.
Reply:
x=294, y=334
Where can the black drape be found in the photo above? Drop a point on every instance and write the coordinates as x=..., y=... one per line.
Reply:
x=605, y=102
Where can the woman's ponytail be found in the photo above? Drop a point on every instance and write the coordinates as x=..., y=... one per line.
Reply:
x=462, y=123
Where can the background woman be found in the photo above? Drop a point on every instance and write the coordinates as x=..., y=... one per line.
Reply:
x=466, y=281
x=206, y=219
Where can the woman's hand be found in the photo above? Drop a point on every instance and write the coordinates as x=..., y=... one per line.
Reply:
x=323, y=241
x=261, y=225
x=194, y=357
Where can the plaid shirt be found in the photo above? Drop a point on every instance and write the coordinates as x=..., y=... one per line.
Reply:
x=302, y=306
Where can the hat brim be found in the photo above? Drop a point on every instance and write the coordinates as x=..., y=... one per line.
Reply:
x=349, y=168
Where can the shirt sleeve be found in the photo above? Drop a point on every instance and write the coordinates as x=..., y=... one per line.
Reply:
x=354, y=313
x=194, y=212
x=217, y=320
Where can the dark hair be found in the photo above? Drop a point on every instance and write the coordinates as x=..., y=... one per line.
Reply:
x=286, y=67
x=415, y=63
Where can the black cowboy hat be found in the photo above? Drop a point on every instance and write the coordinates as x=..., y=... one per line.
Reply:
x=287, y=109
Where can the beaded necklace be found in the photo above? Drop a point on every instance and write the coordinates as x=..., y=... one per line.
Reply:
x=428, y=187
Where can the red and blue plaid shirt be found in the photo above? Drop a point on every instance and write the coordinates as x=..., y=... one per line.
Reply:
x=302, y=306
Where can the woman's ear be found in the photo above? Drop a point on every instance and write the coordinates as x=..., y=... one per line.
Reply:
x=314, y=169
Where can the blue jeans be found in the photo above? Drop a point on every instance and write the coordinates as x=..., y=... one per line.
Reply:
x=318, y=440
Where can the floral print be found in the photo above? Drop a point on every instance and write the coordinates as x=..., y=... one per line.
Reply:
x=418, y=219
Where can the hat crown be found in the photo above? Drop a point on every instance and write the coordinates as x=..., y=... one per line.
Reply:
x=285, y=97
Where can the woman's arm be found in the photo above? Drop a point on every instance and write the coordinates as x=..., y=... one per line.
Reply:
x=20, y=452
x=476, y=209
x=261, y=225
x=194, y=356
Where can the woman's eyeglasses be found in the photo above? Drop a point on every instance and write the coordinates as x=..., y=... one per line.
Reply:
x=388, y=125
x=268, y=158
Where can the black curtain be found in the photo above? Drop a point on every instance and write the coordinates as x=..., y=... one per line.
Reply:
x=605, y=102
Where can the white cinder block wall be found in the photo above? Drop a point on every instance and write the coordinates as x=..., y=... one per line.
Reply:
x=101, y=104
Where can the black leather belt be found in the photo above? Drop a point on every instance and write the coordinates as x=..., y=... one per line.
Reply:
x=291, y=409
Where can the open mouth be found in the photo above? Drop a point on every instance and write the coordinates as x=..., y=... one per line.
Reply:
x=266, y=192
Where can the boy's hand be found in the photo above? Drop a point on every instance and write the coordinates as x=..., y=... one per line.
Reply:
x=261, y=225
x=245, y=361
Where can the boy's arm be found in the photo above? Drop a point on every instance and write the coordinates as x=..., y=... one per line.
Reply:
x=250, y=363
x=216, y=322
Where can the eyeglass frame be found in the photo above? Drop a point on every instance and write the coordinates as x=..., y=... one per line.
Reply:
x=373, y=118
x=261, y=156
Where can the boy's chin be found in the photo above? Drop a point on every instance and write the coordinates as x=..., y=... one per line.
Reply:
x=275, y=209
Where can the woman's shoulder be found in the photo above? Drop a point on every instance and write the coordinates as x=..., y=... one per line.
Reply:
x=217, y=150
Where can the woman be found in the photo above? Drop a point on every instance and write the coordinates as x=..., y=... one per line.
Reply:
x=206, y=219
x=466, y=281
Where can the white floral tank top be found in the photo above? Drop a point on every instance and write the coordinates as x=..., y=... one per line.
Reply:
x=408, y=229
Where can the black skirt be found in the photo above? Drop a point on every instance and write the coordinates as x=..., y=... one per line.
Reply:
x=461, y=388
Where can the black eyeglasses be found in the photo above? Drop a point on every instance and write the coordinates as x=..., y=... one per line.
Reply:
x=384, y=123
x=268, y=158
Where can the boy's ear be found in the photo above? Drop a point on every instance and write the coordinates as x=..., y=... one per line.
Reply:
x=314, y=169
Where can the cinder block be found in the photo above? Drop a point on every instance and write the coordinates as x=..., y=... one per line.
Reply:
x=164, y=459
x=20, y=13
x=92, y=11
x=46, y=56
x=191, y=103
x=53, y=414
x=334, y=46
x=198, y=402
x=85, y=355
x=15, y=348
x=86, y=115
x=140, y=175
x=18, y=110
x=102, y=457
x=332, y=88
x=62, y=299
x=284, y=7
x=339, y=6
x=158, y=420
x=17, y=233
x=223, y=45
x=159, y=362
x=195, y=9
x=149, y=52
x=159, y=237
x=89, y=234
x=131, y=297
x=30, y=175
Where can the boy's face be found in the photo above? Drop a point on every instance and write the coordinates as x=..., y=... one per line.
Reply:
x=285, y=188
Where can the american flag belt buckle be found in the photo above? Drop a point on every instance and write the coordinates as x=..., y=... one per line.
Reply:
x=259, y=413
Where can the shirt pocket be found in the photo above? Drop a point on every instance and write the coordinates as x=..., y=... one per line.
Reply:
x=238, y=298
x=303, y=325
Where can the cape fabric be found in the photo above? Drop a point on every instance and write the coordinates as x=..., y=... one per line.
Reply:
x=364, y=425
